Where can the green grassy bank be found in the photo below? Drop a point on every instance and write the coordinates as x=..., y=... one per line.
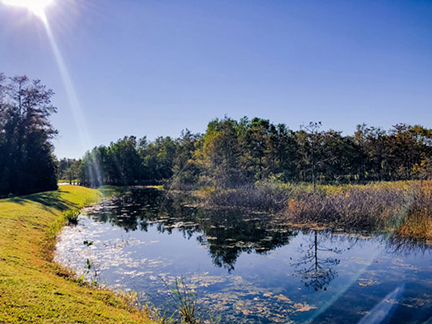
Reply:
x=33, y=289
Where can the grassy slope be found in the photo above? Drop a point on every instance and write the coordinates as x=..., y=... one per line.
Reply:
x=32, y=288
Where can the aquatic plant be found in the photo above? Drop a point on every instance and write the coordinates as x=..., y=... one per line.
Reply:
x=90, y=269
x=184, y=300
x=71, y=216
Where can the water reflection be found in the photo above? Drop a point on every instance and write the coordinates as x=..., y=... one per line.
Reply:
x=226, y=233
x=317, y=265
x=251, y=268
x=229, y=233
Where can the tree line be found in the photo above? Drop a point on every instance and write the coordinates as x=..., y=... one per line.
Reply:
x=235, y=153
x=231, y=153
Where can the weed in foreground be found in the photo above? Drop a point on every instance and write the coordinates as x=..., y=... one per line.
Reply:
x=71, y=216
x=91, y=269
x=185, y=303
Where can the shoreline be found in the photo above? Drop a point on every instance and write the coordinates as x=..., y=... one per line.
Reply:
x=35, y=289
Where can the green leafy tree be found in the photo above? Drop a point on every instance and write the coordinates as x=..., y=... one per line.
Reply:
x=125, y=161
x=185, y=169
x=27, y=163
x=95, y=167
x=158, y=157
x=68, y=169
x=220, y=154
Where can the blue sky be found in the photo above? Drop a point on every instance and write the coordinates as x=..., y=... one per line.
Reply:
x=157, y=67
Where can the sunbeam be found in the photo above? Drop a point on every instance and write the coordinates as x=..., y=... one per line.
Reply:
x=70, y=89
x=68, y=84
x=38, y=7
x=35, y=6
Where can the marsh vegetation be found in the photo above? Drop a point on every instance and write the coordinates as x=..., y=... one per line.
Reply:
x=371, y=180
x=247, y=266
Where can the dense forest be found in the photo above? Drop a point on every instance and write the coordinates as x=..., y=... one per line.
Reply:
x=235, y=153
x=27, y=163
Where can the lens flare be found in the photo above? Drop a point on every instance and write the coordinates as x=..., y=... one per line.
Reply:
x=70, y=92
x=35, y=6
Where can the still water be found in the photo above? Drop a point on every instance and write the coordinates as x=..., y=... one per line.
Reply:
x=246, y=267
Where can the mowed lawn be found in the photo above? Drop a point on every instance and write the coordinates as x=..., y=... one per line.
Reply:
x=32, y=288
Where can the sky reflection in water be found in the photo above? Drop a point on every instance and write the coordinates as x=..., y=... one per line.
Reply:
x=248, y=268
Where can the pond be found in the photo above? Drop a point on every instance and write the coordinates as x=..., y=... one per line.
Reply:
x=248, y=267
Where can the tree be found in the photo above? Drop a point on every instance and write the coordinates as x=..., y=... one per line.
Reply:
x=27, y=163
x=254, y=138
x=220, y=154
x=158, y=157
x=282, y=153
x=95, y=167
x=314, y=150
x=126, y=162
x=185, y=169
x=68, y=169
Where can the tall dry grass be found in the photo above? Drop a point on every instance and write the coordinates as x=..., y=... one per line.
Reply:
x=354, y=208
x=403, y=207
x=263, y=196
x=418, y=223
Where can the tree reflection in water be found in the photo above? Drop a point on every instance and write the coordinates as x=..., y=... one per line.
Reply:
x=315, y=270
x=226, y=233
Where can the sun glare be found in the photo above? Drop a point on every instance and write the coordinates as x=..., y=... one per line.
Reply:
x=35, y=6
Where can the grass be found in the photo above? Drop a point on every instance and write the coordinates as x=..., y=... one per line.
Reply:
x=33, y=289
x=418, y=224
x=184, y=301
x=403, y=208
x=71, y=216
x=356, y=208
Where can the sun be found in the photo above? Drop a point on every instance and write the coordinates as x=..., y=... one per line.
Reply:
x=35, y=6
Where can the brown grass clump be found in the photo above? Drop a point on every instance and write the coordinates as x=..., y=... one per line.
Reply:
x=404, y=208
x=263, y=198
x=355, y=208
x=418, y=223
